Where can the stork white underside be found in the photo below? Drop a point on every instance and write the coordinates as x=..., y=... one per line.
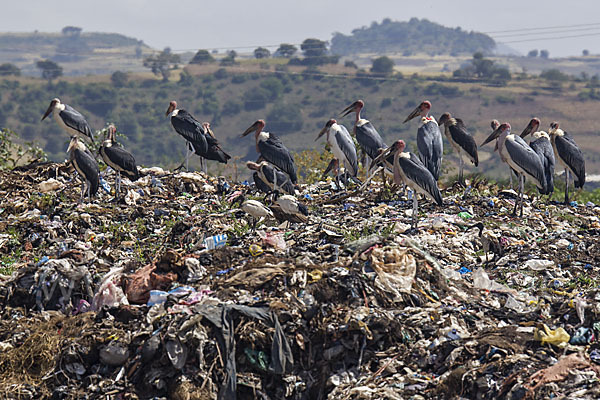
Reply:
x=263, y=136
x=288, y=204
x=256, y=209
x=361, y=122
x=410, y=183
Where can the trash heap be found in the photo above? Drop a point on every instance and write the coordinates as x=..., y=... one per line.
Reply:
x=169, y=293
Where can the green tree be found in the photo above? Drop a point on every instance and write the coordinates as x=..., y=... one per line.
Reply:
x=585, y=53
x=50, y=70
x=229, y=59
x=533, y=53
x=261, y=52
x=119, y=79
x=383, y=66
x=314, y=48
x=161, y=64
x=202, y=57
x=554, y=75
x=286, y=50
x=544, y=54
x=71, y=31
x=8, y=69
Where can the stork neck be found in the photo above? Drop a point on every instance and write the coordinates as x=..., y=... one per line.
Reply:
x=397, y=176
x=358, y=114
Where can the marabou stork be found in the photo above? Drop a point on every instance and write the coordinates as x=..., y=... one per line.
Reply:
x=543, y=147
x=288, y=208
x=272, y=149
x=488, y=242
x=191, y=130
x=429, y=139
x=86, y=167
x=366, y=135
x=69, y=119
x=460, y=139
x=269, y=179
x=408, y=169
x=214, y=151
x=118, y=158
x=494, y=125
x=521, y=158
x=569, y=155
x=342, y=147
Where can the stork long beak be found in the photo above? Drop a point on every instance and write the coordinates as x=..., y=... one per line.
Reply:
x=384, y=154
x=528, y=129
x=349, y=109
x=48, y=111
x=251, y=128
x=493, y=136
x=413, y=114
x=170, y=109
x=325, y=128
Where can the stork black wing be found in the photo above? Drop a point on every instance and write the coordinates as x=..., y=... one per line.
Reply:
x=260, y=184
x=275, y=152
x=122, y=159
x=570, y=153
x=527, y=159
x=346, y=144
x=73, y=119
x=188, y=127
x=543, y=149
x=416, y=171
x=369, y=139
x=275, y=176
x=431, y=147
x=464, y=140
x=87, y=165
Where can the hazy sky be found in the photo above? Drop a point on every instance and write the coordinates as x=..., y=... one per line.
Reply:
x=194, y=24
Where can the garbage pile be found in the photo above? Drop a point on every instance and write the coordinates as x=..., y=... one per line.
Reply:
x=173, y=292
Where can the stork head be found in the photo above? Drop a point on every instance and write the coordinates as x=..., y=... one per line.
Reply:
x=531, y=127
x=397, y=147
x=253, y=166
x=326, y=128
x=51, y=107
x=555, y=129
x=494, y=124
x=111, y=130
x=257, y=127
x=505, y=127
x=76, y=144
x=422, y=110
x=354, y=107
x=172, y=107
x=444, y=118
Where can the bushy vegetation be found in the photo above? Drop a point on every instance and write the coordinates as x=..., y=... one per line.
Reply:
x=483, y=68
x=414, y=36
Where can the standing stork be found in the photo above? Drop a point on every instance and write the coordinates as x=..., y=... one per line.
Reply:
x=342, y=147
x=460, y=139
x=192, y=131
x=494, y=125
x=269, y=179
x=86, y=166
x=543, y=147
x=69, y=119
x=118, y=158
x=272, y=149
x=408, y=169
x=429, y=139
x=569, y=155
x=521, y=158
x=366, y=135
x=214, y=151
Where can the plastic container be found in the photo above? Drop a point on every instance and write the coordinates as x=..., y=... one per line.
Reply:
x=214, y=242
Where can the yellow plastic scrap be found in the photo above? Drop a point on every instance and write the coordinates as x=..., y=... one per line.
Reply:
x=558, y=337
x=315, y=275
x=255, y=250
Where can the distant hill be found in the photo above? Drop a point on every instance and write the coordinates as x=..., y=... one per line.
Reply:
x=414, y=36
x=78, y=53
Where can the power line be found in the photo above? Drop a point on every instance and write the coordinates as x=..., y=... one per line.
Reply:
x=547, y=33
x=542, y=28
x=551, y=38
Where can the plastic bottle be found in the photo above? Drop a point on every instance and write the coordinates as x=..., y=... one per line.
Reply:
x=214, y=242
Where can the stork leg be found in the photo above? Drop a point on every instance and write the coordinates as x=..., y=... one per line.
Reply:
x=566, y=186
x=514, y=212
x=414, y=211
x=82, y=191
x=460, y=168
x=521, y=187
x=510, y=177
x=118, y=184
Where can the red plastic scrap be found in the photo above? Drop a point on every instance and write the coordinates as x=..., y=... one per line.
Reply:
x=138, y=285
